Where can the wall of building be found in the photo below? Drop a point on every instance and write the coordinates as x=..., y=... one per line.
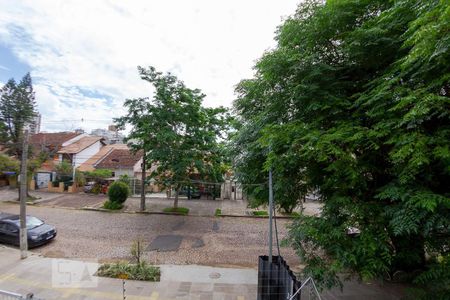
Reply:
x=87, y=153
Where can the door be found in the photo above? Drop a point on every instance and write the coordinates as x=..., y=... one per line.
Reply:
x=9, y=233
x=42, y=179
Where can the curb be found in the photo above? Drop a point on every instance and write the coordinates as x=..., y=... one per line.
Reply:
x=87, y=208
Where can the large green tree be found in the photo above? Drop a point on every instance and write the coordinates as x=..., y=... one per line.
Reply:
x=180, y=137
x=354, y=102
x=17, y=110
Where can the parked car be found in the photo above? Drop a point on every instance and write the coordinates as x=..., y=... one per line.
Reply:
x=88, y=186
x=38, y=232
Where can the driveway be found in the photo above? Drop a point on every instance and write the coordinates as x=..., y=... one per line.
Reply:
x=168, y=239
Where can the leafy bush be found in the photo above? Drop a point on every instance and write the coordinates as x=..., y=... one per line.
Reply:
x=112, y=205
x=178, y=210
x=125, y=179
x=98, y=174
x=142, y=271
x=218, y=212
x=64, y=168
x=118, y=192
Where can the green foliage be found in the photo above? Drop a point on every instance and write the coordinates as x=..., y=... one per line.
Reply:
x=8, y=164
x=64, y=168
x=112, y=205
x=125, y=179
x=218, y=212
x=118, y=192
x=354, y=102
x=17, y=104
x=178, y=210
x=179, y=136
x=98, y=174
x=260, y=213
x=80, y=179
x=142, y=271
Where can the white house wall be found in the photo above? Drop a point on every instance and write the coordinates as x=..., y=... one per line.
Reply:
x=87, y=153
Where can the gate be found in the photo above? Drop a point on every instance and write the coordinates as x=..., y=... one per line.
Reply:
x=276, y=281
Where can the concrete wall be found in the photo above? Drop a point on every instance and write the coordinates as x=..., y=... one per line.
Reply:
x=120, y=172
x=87, y=153
x=231, y=190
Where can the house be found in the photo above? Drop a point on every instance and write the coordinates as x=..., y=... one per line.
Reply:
x=121, y=162
x=79, y=150
x=89, y=165
x=50, y=143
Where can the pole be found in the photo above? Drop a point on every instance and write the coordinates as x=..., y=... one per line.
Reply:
x=73, y=169
x=270, y=215
x=23, y=197
x=143, y=183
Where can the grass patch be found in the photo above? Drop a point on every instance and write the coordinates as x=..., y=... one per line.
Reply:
x=179, y=210
x=218, y=212
x=260, y=213
x=112, y=205
x=142, y=271
x=292, y=214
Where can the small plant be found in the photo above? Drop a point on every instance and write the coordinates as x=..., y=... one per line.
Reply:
x=179, y=210
x=141, y=271
x=118, y=192
x=112, y=205
x=137, y=248
x=218, y=212
x=260, y=213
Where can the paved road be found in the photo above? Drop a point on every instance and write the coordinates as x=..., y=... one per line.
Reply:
x=104, y=236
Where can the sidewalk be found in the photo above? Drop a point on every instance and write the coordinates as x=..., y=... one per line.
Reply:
x=44, y=277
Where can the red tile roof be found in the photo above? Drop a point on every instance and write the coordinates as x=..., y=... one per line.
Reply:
x=119, y=158
x=51, y=140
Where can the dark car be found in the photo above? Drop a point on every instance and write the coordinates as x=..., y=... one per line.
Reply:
x=38, y=232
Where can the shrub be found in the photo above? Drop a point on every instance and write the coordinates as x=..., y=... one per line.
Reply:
x=118, y=192
x=218, y=212
x=178, y=210
x=137, y=248
x=142, y=271
x=112, y=205
x=260, y=213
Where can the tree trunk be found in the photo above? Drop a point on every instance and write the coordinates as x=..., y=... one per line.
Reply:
x=175, y=202
x=143, y=184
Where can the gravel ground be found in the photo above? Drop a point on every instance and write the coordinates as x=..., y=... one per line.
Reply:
x=73, y=200
x=196, y=207
x=108, y=236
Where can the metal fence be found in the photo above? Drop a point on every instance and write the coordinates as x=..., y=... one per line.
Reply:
x=276, y=281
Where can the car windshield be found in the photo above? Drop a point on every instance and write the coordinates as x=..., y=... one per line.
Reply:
x=33, y=222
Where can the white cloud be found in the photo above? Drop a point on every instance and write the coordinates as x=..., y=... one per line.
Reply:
x=96, y=45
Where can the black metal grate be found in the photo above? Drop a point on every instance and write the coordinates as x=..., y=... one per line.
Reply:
x=276, y=281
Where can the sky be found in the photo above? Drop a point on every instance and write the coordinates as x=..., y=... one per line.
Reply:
x=83, y=55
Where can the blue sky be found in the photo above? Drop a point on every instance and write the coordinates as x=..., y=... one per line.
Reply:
x=83, y=55
x=10, y=65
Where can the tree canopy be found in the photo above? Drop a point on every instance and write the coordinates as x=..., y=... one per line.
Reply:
x=354, y=102
x=17, y=109
x=180, y=137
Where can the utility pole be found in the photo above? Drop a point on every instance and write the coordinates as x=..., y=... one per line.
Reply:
x=270, y=216
x=73, y=169
x=23, y=197
x=143, y=184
